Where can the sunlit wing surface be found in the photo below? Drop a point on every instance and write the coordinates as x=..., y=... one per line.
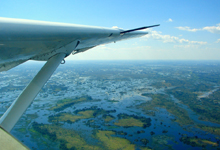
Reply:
x=22, y=40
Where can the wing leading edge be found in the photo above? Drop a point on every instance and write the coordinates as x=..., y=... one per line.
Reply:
x=22, y=40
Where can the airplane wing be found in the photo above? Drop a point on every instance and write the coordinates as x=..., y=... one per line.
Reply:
x=22, y=40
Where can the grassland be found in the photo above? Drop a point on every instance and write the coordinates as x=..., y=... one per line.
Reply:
x=78, y=114
x=208, y=107
x=197, y=142
x=132, y=120
x=188, y=84
x=69, y=139
x=145, y=148
x=67, y=117
x=164, y=101
x=113, y=143
x=129, y=122
x=161, y=142
x=65, y=103
x=108, y=117
x=213, y=130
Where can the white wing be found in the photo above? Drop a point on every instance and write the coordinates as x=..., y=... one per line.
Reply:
x=22, y=40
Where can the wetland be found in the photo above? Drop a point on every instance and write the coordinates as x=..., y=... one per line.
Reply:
x=119, y=105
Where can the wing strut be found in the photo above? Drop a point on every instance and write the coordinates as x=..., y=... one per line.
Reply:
x=18, y=107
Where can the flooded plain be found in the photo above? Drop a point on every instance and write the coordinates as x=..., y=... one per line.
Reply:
x=132, y=102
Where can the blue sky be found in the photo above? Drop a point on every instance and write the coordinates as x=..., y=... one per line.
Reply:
x=189, y=29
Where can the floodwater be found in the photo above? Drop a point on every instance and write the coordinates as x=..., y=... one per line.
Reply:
x=162, y=121
x=167, y=132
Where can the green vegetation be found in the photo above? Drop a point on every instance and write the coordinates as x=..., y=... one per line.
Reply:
x=11, y=87
x=208, y=108
x=97, y=111
x=112, y=127
x=188, y=81
x=185, y=81
x=65, y=103
x=213, y=130
x=32, y=116
x=164, y=101
x=23, y=130
x=68, y=139
x=113, y=101
x=129, y=122
x=197, y=142
x=144, y=141
x=113, y=143
x=160, y=142
x=132, y=120
x=79, y=114
x=108, y=117
x=120, y=133
x=144, y=89
x=55, y=87
x=71, y=140
x=67, y=117
x=161, y=84
x=145, y=148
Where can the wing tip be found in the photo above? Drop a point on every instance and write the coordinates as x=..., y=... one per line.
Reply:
x=141, y=28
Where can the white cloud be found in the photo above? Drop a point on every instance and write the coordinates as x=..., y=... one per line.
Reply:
x=218, y=41
x=187, y=29
x=212, y=29
x=115, y=27
x=171, y=39
x=186, y=46
x=169, y=20
x=103, y=47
